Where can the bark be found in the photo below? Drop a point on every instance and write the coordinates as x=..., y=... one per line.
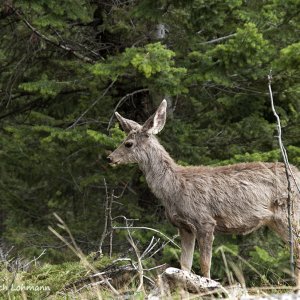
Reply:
x=189, y=281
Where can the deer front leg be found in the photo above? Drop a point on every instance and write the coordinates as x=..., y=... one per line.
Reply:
x=205, y=241
x=187, y=249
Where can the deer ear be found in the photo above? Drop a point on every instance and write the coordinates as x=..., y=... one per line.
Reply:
x=157, y=121
x=127, y=124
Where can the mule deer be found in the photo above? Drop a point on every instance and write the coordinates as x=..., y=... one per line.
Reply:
x=199, y=201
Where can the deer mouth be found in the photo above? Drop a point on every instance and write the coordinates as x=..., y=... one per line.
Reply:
x=114, y=163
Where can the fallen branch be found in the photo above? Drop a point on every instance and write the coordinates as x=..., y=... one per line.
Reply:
x=189, y=281
x=172, y=279
x=117, y=276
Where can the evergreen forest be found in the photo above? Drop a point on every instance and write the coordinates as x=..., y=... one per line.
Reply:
x=67, y=66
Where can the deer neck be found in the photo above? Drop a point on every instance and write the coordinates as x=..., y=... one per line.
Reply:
x=160, y=172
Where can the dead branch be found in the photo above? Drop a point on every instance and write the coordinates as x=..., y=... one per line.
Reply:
x=107, y=230
x=219, y=39
x=92, y=284
x=122, y=100
x=51, y=40
x=282, y=148
x=35, y=259
x=288, y=173
x=93, y=104
x=138, y=256
x=150, y=247
x=152, y=229
x=117, y=276
x=189, y=281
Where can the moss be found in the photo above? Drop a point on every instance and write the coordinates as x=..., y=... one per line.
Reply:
x=49, y=280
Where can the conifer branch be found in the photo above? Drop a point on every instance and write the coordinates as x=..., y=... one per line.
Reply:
x=52, y=41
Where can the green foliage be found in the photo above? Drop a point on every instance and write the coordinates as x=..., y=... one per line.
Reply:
x=289, y=57
x=54, y=13
x=49, y=280
x=44, y=87
x=154, y=62
x=245, y=51
x=271, y=156
x=65, y=66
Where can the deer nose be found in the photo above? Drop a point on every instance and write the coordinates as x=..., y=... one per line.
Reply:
x=109, y=159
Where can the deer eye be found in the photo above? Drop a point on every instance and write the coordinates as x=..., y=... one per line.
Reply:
x=128, y=144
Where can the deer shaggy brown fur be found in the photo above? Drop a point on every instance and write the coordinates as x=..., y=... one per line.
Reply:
x=201, y=201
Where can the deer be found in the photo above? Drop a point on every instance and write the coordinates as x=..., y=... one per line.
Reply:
x=201, y=201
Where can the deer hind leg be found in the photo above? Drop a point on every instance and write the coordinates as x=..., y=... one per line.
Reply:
x=187, y=249
x=205, y=241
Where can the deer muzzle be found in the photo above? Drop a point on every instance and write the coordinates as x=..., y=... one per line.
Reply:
x=112, y=160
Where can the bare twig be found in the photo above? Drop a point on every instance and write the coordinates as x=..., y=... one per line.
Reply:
x=35, y=259
x=93, y=104
x=284, y=153
x=156, y=267
x=110, y=233
x=287, y=172
x=158, y=249
x=109, y=219
x=138, y=256
x=219, y=39
x=92, y=284
x=108, y=228
x=124, y=218
x=151, y=229
x=104, y=232
x=150, y=247
x=122, y=100
x=4, y=255
x=95, y=54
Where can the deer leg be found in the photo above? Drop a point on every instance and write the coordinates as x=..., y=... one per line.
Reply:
x=187, y=249
x=205, y=241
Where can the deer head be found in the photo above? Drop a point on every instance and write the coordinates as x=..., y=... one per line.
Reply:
x=140, y=138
